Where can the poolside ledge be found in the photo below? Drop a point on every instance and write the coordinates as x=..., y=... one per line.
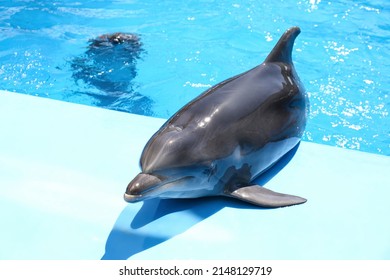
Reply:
x=64, y=168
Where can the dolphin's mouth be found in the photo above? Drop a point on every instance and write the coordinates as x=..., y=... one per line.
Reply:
x=154, y=190
x=132, y=198
x=141, y=184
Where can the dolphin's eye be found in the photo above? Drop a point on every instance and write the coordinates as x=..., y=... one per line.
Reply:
x=210, y=170
x=207, y=171
x=297, y=103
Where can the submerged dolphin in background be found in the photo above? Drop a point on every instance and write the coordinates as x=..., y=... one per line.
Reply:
x=232, y=133
x=109, y=64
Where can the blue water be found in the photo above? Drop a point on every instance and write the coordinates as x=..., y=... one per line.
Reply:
x=342, y=56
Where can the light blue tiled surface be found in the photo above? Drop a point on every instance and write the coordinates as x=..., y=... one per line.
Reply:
x=64, y=168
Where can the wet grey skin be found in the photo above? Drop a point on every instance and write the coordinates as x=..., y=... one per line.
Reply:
x=221, y=141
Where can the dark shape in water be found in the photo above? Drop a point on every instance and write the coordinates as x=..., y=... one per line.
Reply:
x=109, y=65
x=110, y=40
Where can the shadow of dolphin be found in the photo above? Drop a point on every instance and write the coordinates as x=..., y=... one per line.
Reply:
x=159, y=220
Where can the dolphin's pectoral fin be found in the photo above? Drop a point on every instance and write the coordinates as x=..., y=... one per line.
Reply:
x=263, y=197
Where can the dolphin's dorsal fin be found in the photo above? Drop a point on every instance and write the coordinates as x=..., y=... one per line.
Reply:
x=283, y=48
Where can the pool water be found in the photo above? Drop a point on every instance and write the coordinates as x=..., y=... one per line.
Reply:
x=186, y=46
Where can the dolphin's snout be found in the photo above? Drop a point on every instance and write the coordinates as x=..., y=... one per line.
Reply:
x=139, y=185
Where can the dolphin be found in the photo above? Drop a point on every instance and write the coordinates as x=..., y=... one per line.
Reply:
x=228, y=136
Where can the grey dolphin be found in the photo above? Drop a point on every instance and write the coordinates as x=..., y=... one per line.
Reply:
x=229, y=135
